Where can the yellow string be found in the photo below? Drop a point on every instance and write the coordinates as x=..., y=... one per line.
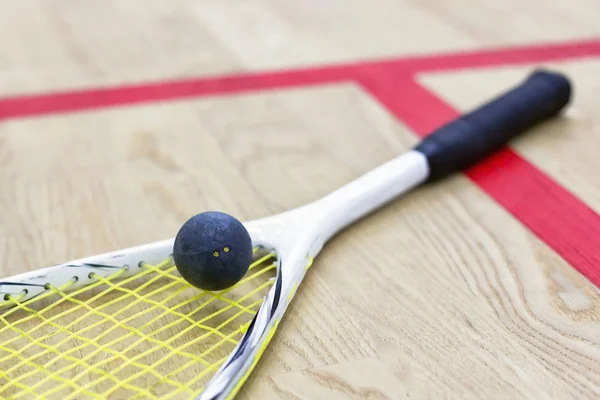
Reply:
x=151, y=335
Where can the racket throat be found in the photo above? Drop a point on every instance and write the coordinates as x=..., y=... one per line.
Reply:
x=368, y=193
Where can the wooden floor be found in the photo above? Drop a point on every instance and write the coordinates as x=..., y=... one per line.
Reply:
x=121, y=119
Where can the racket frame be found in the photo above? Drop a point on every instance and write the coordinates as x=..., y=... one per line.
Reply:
x=297, y=236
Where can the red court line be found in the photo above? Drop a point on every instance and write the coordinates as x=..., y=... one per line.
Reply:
x=560, y=219
x=95, y=98
x=557, y=217
x=502, y=56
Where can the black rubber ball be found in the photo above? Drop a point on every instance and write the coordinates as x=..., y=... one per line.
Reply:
x=212, y=250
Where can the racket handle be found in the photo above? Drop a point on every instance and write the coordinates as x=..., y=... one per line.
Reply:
x=466, y=140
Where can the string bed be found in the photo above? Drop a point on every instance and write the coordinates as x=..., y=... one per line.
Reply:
x=150, y=335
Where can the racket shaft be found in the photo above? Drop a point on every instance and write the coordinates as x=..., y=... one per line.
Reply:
x=369, y=192
x=466, y=140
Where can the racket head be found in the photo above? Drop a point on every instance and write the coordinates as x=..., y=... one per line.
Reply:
x=146, y=277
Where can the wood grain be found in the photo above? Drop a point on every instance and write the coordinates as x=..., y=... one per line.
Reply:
x=443, y=294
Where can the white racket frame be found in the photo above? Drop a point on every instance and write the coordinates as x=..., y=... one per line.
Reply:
x=297, y=236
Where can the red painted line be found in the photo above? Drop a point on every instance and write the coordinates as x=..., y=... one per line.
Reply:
x=557, y=217
x=127, y=95
x=500, y=56
x=99, y=98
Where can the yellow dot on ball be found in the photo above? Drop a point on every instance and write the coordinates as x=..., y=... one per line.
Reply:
x=216, y=254
x=226, y=249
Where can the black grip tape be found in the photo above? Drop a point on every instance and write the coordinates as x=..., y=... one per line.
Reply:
x=464, y=141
